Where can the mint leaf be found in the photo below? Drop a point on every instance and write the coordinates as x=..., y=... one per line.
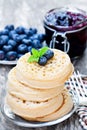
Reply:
x=32, y=59
x=43, y=51
x=35, y=52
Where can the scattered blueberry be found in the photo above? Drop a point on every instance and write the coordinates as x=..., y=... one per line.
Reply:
x=11, y=33
x=49, y=54
x=20, y=40
x=27, y=41
x=42, y=60
x=29, y=48
x=4, y=32
x=22, y=48
x=28, y=32
x=34, y=37
x=20, y=30
x=2, y=55
x=1, y=43
x=34, y=30
x=12, y=43
x=41, y=37
x=4, y=39
x=7, y=48
x=14, y=36
x=23, y=36
x=36, y=44
x=11, y=55
x=9, y=27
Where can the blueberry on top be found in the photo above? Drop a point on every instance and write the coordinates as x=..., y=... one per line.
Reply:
x=49, y=54
x=42, y=61
x=40, y=56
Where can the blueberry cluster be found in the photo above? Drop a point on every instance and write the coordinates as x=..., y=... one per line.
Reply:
x=48, y=55
x=14, y=42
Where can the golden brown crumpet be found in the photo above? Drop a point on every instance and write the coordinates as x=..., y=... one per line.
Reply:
x=54, y=73
x=20, y=90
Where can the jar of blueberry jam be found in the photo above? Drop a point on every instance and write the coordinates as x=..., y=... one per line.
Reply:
x=66, y=29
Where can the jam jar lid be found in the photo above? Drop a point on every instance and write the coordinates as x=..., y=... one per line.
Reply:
x=65, y=18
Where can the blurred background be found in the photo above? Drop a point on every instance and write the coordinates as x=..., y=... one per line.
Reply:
x=31, y=12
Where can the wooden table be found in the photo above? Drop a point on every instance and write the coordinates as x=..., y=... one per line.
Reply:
x=28, y=14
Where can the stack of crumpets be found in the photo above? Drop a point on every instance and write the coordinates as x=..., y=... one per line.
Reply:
x=36, y=89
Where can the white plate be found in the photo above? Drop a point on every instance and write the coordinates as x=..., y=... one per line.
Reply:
x=9, y=115
x=5, y=62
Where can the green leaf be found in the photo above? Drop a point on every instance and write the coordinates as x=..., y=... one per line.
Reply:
x=35, y=52
x=33, y=59
x=43, y=51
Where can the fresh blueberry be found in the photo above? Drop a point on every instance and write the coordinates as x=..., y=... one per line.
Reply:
x=31, y=38
x=2, y=43
x=23, y=36
x=41, y=37
x=4, y=32
x=9, y=27
x=36, y=44
x=2, y=55
x=19, y=55
x=11, y=55
x=42, y=60
x=49, y=54
x=27, y=41
x=22, y=48
x=4, y=39
x=7, y=48
x=28, y=32
x=34, y=37
x=29, y=48
x=20, y=30
x=20, y=37
x=12, y=43
x=14, y=36
x=11, y=33
x=34, y=30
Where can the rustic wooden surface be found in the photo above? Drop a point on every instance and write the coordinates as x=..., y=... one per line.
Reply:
x=30, y=13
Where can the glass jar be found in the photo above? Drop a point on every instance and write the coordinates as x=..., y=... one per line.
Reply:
x=66, y=29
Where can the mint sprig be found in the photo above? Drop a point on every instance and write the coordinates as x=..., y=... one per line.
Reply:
x=36, y=54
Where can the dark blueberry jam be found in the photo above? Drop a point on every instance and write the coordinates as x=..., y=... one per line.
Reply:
x=72, y=22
